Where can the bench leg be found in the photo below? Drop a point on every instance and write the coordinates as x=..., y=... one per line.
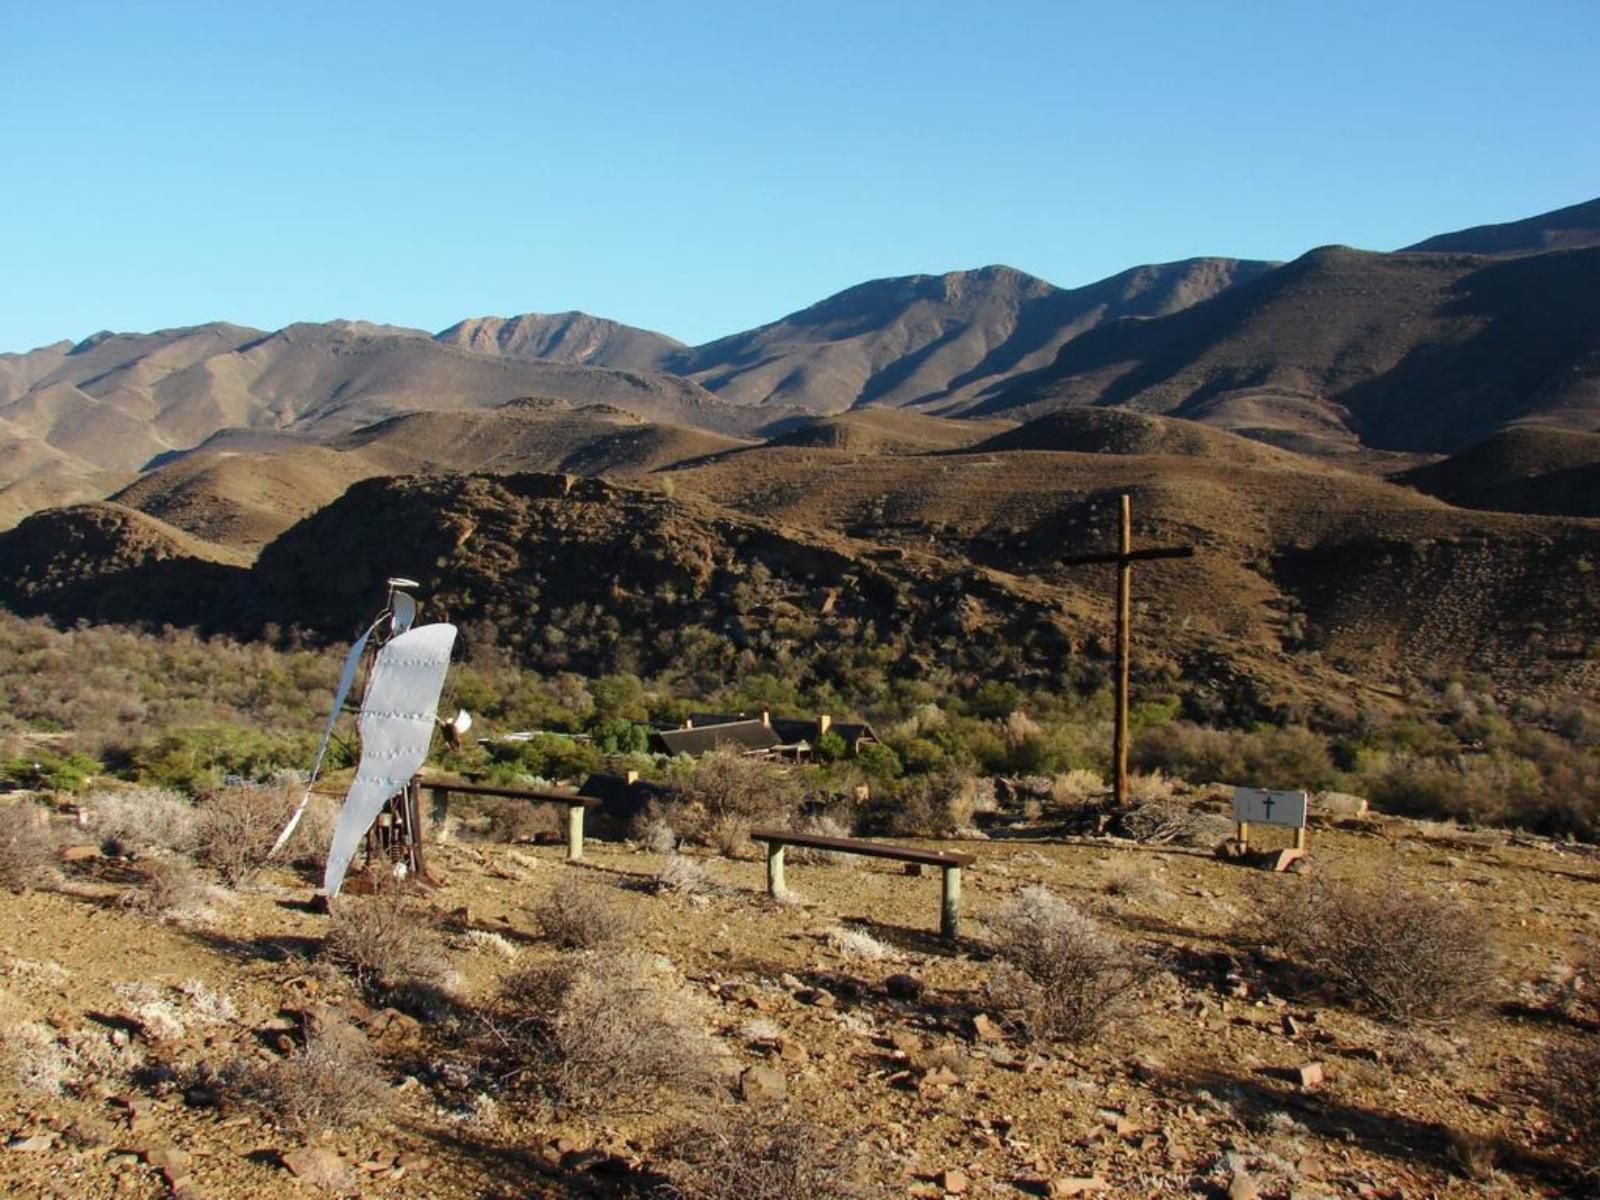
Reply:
x=574, y=832
x=950, y=910
x=775, y=885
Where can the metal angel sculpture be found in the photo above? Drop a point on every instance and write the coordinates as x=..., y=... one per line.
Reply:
x=405, y=672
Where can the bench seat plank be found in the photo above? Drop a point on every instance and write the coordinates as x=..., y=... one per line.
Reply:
x=931, y=858
x=510, y=793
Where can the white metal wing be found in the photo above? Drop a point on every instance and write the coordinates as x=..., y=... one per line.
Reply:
x=396, y=727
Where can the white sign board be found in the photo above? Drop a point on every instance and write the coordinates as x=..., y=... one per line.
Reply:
x=1257, y=806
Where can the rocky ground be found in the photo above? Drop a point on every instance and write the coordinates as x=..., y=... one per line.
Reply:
x=1228, y=1077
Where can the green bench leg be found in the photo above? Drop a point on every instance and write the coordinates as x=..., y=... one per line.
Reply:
x=950, y=910
x=574, y=832
x=775, y=885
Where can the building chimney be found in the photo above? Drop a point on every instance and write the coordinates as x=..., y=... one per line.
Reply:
x=766, y=718
x=824, y=723
x=632, y=777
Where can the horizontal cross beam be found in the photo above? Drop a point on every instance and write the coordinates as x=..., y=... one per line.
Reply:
x=1088, y=560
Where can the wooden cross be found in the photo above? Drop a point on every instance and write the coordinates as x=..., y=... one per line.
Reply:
x=1124, y=558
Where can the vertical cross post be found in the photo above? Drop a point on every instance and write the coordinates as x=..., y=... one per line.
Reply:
x=1123, y=558
x=1119, y=792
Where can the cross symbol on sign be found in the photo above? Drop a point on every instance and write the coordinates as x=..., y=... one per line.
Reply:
x=1268, y=802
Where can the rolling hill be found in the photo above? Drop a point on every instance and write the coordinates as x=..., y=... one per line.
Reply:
x=1525, y=470
x=1344, y=347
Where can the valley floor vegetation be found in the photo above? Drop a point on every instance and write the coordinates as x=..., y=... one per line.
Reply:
x=171, y=709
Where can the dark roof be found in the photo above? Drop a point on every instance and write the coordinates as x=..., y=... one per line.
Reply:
x=702, y=720
x=745, y=735
x=854, y=731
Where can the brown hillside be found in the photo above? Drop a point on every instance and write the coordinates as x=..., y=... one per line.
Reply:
x=531, y=436
x=889, y=431
x=1408, y=351
x=121, y=402
x=936, y=340
x=1121, y=431
x=1527, y=470
x=244, y=500
x=569, y=337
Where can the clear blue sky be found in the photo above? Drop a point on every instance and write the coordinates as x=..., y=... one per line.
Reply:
x=701, y=168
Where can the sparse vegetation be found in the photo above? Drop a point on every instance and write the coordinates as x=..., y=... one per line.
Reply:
x=1059, y=972
x=1570, y=1087
x=27, y=846
x=134, y=821
x=759, y=1155
x=609, y=1034
x=332, y=1081
x=385, y=943
x=1398, y=953
x=579, y=915
x=237, y=827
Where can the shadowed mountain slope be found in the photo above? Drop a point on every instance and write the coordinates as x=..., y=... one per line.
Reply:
x=1564, y=229
x=1526, y=470
x=1400, y=351
x=935, y=340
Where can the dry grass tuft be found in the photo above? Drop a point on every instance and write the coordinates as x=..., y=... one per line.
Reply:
x=579, y=915
x=334, y=1081
x=169, y=888
x=27, y=846
x=613, y=1034
x=1399, y=954
x=1060, y=972
x=683, y=876
x=385, y=942
x=758, y=1155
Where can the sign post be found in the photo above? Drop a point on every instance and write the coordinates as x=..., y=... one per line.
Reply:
x=1260, y=806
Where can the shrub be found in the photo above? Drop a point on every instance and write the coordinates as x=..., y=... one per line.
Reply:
x=605, y=1034
x=27, y=846
x=758, y=1155
x=724, y=793
x=821, y=825
x=333, y=1081
x=49, y=770
x=682, y=875
x=934, y=805
x=1400, y=954
x=137, y=820
x=578, y=915
x=1059, y=971
x=237, y=827
x=385, y=943
x=1570, y=1087
x=168, y=887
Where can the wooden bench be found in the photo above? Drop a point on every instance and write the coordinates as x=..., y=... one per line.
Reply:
x=949, y=863
x=443, y=789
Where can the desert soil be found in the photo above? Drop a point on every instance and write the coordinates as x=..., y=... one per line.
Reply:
x=1195, y=1091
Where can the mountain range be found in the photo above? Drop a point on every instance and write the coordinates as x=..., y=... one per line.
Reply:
x=1340, y=352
